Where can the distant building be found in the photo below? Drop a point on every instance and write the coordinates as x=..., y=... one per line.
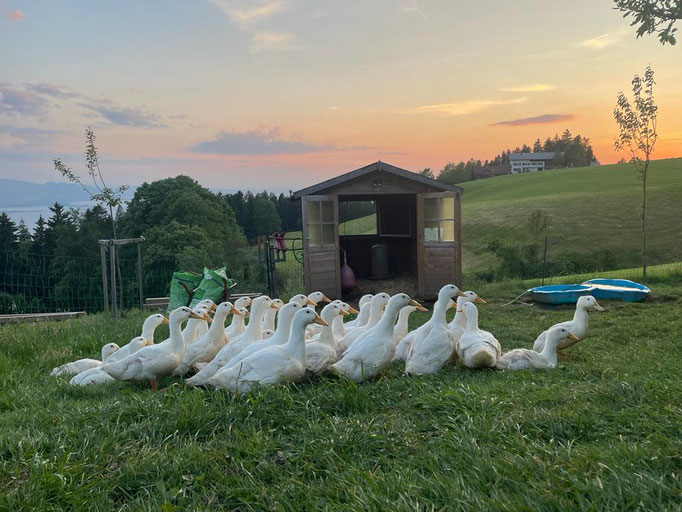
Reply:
x=531, y=162
x=488, y=171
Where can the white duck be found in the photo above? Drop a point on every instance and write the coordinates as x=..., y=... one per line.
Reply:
x=202, y=327
x=207, y=346
x=459, y=322
x=277, y=364
x=522, y=358
x=379, y=302
x=315, y=298
x=321, y=353
x=477, y=348
x=364, y=304
x=402, y=327
x=80, y=365
x=252, y=333
x=191, y=330
x=374, y=349
x=302, y=300
x=150, y=363
x=430, y=353
x=270, y=315
x=445, y=294
x=148, y=328
x=237, y=326
x=281, y=335
x=97, y=375
x=338, y=327
x=577, y=326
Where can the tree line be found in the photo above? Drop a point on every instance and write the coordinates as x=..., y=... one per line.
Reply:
x=569, y=151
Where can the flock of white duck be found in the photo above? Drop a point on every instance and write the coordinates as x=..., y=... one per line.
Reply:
x=288, y=342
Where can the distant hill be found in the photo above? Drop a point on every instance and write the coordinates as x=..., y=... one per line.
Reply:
x=594, y=209
x=24, y=193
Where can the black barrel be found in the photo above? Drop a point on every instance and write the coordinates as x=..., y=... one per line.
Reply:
x=380, y=261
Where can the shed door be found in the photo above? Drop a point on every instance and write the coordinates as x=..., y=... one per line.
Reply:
x=439, y=237
x=321, y=244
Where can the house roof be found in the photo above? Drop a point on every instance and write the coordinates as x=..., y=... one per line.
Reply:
x=532, y=156
x=374, y=167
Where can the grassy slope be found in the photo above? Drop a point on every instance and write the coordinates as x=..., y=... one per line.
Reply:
x=592, y=207
x=602, y=429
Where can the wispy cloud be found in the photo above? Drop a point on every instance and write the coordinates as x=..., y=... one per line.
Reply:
x=537, y=87
x=33, y=99
x=463, y=107
x=543, y=119
x=17, y=135
x=249, y=18
x=262, y=141
x=253, y=14
x=412, y=8
x=272, y=41
x=21, y=101
x=15, y=15
x=604, y=40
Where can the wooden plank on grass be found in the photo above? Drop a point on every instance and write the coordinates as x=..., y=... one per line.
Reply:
x=40, y=317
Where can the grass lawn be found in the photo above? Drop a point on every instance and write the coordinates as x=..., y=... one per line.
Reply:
x=601, y=432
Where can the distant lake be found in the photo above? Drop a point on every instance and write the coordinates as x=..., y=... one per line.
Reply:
x=30, y=214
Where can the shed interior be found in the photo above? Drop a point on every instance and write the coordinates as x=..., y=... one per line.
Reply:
x=396, y=228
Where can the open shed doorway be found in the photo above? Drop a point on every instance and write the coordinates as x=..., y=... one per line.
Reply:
x=388, y=220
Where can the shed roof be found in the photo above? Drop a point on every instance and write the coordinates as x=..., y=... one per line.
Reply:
x=378, y=166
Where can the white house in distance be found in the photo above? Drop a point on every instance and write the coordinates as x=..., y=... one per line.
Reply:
x=531, y=162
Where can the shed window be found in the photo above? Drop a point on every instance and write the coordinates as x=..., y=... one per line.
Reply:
x=321, y=223
x=439, y=219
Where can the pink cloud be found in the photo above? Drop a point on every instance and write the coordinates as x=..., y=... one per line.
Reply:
x=16, y=15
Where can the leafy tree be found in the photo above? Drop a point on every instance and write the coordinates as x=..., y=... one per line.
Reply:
x=638, y=135
x=111, y=197
x=537, y=146
x=428, y=173
x=657, y=16
x=263, y=218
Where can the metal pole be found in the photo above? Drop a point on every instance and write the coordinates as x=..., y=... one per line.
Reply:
x=112, y=262
x=139, y=273
x=105, y=289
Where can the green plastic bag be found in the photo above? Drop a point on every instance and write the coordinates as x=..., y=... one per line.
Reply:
x=215, y=286
x=182, y=289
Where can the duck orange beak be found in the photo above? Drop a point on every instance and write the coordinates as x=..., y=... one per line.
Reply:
x=421, y=308
x=148, y=343
x=414, y=303
x=597, y=306
x=460, y=293
x=325, y=298
x=318, y=320
x=573, y=337
x=207, y=318
x=235, y=311
x=194, y=315
x=452, y=304
x=480, y=300
x=274, y=306
x=164, y=320
x=344, y=312
x=247, y=314
x=310, y=302
x=352, y=310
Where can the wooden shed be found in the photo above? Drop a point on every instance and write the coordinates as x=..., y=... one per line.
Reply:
x=417, y=219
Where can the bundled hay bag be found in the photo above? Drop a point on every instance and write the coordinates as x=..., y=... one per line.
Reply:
x=214, y=286
x=182, y=289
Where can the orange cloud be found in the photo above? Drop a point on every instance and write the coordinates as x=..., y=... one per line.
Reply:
x=16, y=15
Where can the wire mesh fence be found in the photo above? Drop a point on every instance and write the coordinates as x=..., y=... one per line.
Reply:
x=38, y=283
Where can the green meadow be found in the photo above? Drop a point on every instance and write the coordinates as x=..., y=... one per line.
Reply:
x=600, y=432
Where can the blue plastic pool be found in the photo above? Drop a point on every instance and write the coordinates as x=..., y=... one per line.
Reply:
x=560, y=293
x=620, y=289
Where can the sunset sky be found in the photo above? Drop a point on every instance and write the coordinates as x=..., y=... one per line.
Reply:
x=280, y=94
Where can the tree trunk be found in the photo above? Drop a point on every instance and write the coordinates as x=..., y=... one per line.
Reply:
x=644, y=174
